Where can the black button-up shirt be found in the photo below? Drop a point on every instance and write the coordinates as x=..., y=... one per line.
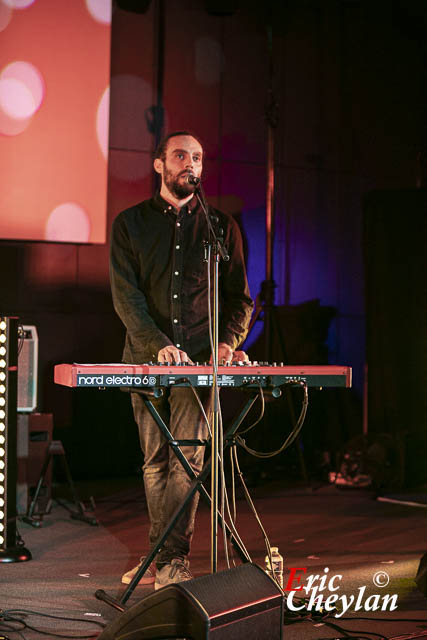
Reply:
x=159, y=279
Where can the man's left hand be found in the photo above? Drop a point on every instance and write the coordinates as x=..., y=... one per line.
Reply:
x=226, y=354
x=240, y=356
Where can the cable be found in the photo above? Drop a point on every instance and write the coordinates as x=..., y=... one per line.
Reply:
x=12, y=630
x=291, y=437
x=351, y=632
x=196, y=395
x=223, y=484
x=8, y=617
x=21, y=338
x=254, y=511
x=388, y=619
x=261, y=415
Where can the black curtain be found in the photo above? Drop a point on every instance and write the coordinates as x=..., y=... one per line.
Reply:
x=396, y=322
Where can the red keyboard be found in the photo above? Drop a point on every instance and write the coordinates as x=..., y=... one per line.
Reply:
x=233, y=375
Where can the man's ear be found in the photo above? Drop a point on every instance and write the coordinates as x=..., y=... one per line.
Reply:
x=158, y=165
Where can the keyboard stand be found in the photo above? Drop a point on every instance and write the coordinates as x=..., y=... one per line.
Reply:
x=197, y=485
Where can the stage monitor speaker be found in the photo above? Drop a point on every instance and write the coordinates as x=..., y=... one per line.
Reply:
x=243, y=602
x=421, y=577
x=27, y=368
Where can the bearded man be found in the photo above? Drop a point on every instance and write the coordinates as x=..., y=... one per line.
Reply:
x=159, y=284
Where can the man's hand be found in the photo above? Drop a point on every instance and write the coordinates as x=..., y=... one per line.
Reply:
x=240, y=356
x=226, y=354
x=173, y=354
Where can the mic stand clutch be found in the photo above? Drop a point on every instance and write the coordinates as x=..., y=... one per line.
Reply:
x=216, y=250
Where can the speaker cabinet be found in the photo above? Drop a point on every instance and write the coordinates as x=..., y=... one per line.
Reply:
x=243, y=602
x=34, y=437
x=27, y=368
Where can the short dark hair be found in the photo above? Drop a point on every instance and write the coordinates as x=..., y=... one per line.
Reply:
x=163, y=144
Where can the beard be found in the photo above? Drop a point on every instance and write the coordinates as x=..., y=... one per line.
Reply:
x=178, y=186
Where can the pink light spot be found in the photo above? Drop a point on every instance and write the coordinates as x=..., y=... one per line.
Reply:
x=100, y=10
x=68, y=222
x=21, y=90
x=102, y=121
x=5, y=15
x=19, y=4
x=11, y=126
x=15, y=99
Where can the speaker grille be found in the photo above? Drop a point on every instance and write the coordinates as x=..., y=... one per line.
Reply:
x=27, y=369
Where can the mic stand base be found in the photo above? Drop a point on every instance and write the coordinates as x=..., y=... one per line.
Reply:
x=15, y=554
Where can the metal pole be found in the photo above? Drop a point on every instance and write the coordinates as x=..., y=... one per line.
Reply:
x=215, y=423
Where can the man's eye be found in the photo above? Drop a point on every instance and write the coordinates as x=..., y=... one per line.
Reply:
x=197, y=158
x=180, y=155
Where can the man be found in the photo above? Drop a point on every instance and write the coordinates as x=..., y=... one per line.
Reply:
x=159, y=285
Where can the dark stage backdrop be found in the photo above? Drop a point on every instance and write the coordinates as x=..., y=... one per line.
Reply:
x=396, y=318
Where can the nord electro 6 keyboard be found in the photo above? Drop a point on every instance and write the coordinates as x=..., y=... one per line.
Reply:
x=233, y=375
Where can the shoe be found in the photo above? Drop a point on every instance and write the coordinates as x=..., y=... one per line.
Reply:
x=147, y=578
x=176, y=571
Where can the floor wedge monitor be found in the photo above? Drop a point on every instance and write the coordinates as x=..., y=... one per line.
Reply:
x=243, y=602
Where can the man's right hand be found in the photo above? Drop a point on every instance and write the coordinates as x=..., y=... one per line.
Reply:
x=173, y=354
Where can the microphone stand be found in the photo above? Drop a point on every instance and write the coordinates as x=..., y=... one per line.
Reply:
x=215, y=249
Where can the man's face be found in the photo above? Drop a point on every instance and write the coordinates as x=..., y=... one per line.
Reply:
x=184, y=156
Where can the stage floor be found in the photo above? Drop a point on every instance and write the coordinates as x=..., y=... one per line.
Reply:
x=349, y=531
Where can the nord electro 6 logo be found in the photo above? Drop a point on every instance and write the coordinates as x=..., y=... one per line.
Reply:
x=116, y=380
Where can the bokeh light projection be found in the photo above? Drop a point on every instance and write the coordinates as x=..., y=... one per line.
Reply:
x=54, y=113
x=68, y=222
x=5, y=15
x=21, y=90
x=102, y=121
x=100, y=10
x=19, y=4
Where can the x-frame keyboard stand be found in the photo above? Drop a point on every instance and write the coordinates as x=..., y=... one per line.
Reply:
x=197, y=485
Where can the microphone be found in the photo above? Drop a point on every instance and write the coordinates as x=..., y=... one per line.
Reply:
x=194, y=180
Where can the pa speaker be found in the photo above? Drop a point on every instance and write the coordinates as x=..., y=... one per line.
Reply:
x=421, y=577
x=243, y=602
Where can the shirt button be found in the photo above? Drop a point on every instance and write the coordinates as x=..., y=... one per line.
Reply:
x=177, y=246
x=177, y=273
x=175, y=295
x=175, y=320
x=178, y=345
x=178, y=224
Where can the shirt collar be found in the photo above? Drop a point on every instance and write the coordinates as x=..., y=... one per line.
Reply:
x=166, y=207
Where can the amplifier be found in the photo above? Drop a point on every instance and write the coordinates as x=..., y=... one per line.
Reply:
x=28, y=345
